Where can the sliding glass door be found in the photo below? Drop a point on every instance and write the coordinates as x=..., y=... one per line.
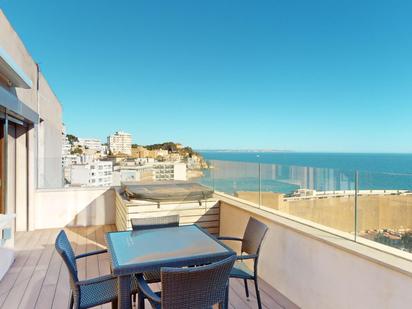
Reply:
x=2, y=176
x=14, y=169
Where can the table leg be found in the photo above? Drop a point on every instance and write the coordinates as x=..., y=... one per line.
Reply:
x=124, y=292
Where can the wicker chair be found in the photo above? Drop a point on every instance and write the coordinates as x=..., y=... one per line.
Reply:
x=193, y=287
x=139, y=224
x=91, y=292
x=251, y=242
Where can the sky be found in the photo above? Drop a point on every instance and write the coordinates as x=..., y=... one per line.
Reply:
x=218, y=74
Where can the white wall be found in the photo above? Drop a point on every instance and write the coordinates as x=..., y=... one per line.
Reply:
x=79, y=175
x=44, y=140
x=6, y=246
x=21, y=178
x=57, y=208
x=44, y=102
x=50, y=134
x=317, y=270
x=180, y=171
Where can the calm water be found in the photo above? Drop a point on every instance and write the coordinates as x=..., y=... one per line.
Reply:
x=380, y=163
x=286, y=172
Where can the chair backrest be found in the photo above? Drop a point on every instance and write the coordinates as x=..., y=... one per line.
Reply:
x=254, y=234
x=65, y=250
x=195, y=287
x=154, y=222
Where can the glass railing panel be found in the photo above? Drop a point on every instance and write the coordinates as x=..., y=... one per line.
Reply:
x=239, y=179
x=320, y=195
x=380, y=214
x=50, y=173
x=205, y=175
x=385, y=209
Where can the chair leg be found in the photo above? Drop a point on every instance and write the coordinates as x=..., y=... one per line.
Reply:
x=74, y=302
x=114, y=304
x=246, y=288
x=140, y=301
x=226, y=303
x=71, y=301
x=258, y=294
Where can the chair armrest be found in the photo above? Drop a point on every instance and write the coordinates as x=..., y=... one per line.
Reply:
x=80, y=256
x=146, y=290
x=230, y=238
x=246, y=257
x=96, y=280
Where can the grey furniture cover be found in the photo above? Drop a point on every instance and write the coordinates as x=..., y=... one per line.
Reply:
x=167, y=191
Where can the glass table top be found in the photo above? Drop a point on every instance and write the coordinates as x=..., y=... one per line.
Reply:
x=157, y=245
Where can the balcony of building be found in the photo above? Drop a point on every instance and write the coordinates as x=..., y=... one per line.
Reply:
x=306, y=262
x=39, y=278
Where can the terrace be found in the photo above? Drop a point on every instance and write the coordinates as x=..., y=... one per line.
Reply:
x=39, y=279
x=307, y=260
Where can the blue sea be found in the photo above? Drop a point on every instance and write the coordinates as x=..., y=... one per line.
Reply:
x=287, y=171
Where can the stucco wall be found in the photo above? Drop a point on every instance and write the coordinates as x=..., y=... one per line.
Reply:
x=44, y=102
x=50, y=134
x=74, y=207
x=313, y=273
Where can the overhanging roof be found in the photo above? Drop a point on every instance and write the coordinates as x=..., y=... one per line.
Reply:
x=12, y=72
x=17, y=107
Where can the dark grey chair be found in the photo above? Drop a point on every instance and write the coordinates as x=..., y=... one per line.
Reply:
x=91, y=292
x=198, y=287
x=251, y=242
x=140, y=224
x=154, y=222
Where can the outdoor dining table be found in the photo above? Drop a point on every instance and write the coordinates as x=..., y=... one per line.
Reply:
x=134, y=252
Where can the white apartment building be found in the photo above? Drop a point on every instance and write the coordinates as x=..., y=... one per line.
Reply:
x=163, y=171
x=71, y=160
x=66, y=147
x=95, y=174
x=132, y=174
x=120, y=142
x=77, y=159
x=143, y=161
x=158, y=171
x=104, y=149
x=90, y=143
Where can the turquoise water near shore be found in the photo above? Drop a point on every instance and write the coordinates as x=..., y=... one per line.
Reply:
x=287, y=171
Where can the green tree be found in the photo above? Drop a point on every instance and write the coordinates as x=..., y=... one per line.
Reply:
x=72, y=139
x=77, y=150
x=169, y=146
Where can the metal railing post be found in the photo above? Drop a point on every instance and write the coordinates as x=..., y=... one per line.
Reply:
x=260, y=187
x=356, y=203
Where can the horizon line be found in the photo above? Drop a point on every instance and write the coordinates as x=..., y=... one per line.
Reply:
x=295, y=151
